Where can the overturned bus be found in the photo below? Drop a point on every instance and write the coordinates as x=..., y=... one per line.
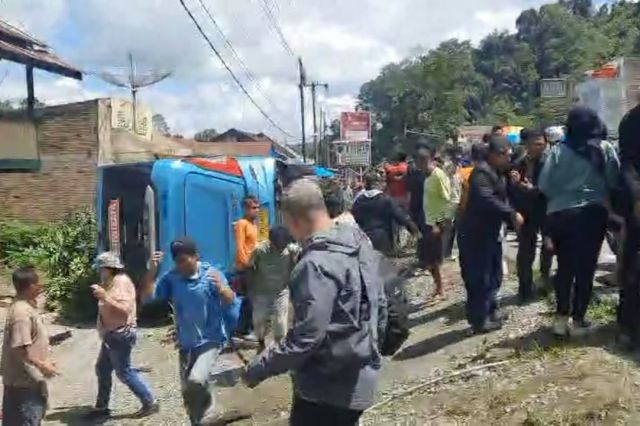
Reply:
x=142, y=207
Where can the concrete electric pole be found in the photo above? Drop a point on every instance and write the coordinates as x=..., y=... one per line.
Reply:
x=313, y=86
x=302, y=85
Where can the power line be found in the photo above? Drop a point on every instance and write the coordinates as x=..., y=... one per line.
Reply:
x=250, y=75
x=230, y=71
x=276, y=26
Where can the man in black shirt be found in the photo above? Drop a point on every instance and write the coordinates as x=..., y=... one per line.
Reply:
x=479, y=240
x=530, y=202
x=375, y=212
x=415, y=183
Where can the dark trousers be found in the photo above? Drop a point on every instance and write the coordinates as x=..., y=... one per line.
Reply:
x=245, y=322
x=307, y=413
x=115, y=355
x=577, y=236
x=449, y=238
x=23, y=406
x=629, y=278
x=629, y=305
x=481, y=269
x=527, y=244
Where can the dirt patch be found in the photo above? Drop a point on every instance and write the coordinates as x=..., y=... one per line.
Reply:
x=581, y=387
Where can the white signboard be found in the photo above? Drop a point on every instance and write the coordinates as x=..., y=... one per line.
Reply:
x=122, y=118
x=553, y=88
x=352, y=153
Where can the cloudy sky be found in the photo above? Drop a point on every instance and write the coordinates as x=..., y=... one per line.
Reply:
x=342, y=42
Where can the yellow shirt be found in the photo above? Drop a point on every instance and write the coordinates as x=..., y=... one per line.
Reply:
x=437, y=197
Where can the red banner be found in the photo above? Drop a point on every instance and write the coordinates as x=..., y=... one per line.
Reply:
x=355, y=126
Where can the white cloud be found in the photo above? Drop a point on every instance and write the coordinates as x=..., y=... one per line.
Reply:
x=343, y=43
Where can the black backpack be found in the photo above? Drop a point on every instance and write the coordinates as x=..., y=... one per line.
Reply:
x=396, y=330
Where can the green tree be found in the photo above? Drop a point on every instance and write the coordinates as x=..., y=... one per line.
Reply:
x=564, y=43
x=509, y=64
x=620, y=24
x=454, y=84
x=206, y=135
x=160, y=124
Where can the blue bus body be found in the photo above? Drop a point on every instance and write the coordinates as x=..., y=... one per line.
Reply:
x=142, y=207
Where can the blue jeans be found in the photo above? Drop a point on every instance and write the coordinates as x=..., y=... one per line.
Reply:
x=23, y=406
x=115, y=354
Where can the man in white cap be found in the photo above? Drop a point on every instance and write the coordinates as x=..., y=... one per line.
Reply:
x=116, y=296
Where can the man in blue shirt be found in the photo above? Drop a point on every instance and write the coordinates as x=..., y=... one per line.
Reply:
x=206, y=311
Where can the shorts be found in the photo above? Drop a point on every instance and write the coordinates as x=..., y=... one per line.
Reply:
x=433, y=245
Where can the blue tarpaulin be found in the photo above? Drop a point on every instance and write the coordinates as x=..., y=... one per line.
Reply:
x=324, y=172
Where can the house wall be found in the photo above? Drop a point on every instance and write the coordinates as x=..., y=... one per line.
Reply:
x=67, y=138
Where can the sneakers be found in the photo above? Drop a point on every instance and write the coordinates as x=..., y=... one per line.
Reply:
x=249, y=337
x=560, y=326
x=247, y=341
x=487, y=327
x=580, y=328
x=231, y=416
x=498, y=316
x=97, y=414
x=147, y=410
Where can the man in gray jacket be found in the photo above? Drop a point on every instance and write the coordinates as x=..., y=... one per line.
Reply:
x=339, y=314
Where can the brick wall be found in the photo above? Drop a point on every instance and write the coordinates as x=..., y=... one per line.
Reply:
x=68, y=144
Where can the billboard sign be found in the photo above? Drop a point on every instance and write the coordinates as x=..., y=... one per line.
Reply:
x=355, y=126
x=553, y=88
x=352, y=153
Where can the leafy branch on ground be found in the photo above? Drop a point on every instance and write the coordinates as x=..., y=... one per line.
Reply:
x=64, y=251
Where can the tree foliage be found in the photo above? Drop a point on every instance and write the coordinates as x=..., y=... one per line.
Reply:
x=160, y=124
x=206, y=135
x=497, y=81
x=64, y=251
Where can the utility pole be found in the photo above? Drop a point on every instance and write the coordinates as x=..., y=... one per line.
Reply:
x=31, y=99
x=313, y=86
x=322, y=144
x=302, y=85
x=134, y=92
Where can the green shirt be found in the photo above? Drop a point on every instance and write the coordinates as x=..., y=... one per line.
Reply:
x=437, y=197
x=270, y=269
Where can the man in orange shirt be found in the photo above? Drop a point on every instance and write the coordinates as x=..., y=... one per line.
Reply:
x=246, y=231
x=478, y=152
x=396, y=175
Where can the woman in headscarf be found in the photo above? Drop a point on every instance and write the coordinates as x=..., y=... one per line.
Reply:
x=578, y=178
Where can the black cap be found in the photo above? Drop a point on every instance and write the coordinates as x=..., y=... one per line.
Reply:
x=499, y=145
x=183, y=246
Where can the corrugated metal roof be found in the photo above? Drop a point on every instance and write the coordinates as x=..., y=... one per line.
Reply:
x=18, y=46
x=9, y=30
x=242, y=137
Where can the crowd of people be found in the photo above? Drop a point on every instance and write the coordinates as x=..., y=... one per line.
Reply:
x=330, y=263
